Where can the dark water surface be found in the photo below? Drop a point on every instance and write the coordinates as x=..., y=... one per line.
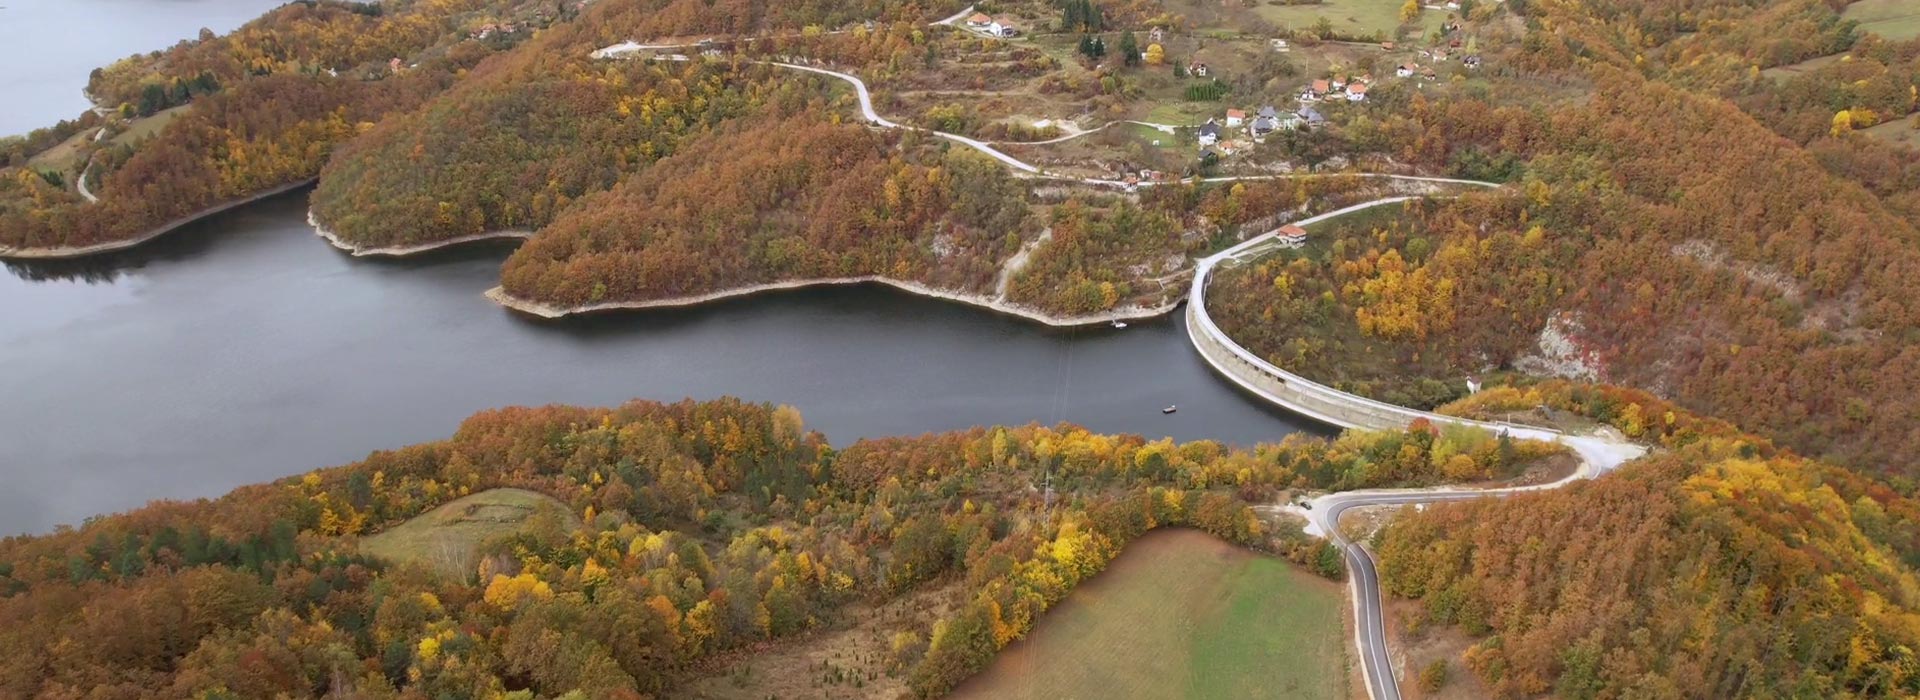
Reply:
x=50, y=46
x=243, y=348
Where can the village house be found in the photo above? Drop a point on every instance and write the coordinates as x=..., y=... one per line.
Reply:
x=1315, y=90
x=1356, y=92
x=1428, y=73
x=1235, y=118
x=1292, y=236
x=1156, y=35
x=1197, y=69
x=1312, y=116
x=1209, y=133
x=1003, y=27
x=1338, y=82
x=490, y=28
x=979, y=20
x=1405, y=70
x=1270, y=120
x=1471, y=61
x=1280, y=45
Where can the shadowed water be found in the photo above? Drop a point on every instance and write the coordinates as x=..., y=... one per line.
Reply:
x=243, y=348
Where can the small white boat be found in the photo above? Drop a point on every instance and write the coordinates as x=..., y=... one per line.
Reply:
x=1170, y=409
x=1119, y=324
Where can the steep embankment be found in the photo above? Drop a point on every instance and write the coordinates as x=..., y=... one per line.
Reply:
x=260, y=124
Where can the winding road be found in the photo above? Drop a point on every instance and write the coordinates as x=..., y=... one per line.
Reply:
x=80, y=183
x=1598, y=454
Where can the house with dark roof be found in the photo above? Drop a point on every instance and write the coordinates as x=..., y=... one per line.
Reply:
x=1209, y=133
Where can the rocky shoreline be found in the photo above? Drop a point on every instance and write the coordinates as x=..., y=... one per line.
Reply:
x=500, y=296
x=400, y=251
x=65, y=252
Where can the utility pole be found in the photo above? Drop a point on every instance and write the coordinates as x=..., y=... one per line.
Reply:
x=1047, y=490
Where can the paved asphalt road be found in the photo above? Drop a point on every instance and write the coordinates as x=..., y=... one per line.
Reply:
x=1597, y=455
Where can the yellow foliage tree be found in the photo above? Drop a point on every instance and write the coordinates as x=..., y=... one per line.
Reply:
x=507, y=593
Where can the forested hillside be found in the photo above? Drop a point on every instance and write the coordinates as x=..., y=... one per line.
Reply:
x=704, y=528
x=525, y=136
x=1659, y=235
x=1723, y=567
x=229, y=117
x=770, y=200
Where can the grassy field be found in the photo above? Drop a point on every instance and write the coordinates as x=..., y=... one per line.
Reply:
x=1897, y=131
x=63, y=156
x=448, y=537
x=1350, y=17
x=1793, y=69
x=1894, y=19
x=149, y=125
x=1181, y=614
x=1358, y=223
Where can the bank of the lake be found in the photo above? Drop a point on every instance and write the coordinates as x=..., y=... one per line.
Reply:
x=71, y=252
x=401, y=251
x=500, y=296
x=243, y=348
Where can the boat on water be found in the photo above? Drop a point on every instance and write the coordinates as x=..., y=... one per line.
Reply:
x=1170, y=409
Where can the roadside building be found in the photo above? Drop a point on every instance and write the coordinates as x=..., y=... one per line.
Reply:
x=1292, y=236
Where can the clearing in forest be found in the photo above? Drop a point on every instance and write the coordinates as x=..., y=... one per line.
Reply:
x=1350, y=18
x=1181, y=614
x=1897, y=20
x=1899, y=131
x=448, y=538
x=1807, y=66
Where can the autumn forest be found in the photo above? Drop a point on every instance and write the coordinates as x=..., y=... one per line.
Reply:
x=1697, y=233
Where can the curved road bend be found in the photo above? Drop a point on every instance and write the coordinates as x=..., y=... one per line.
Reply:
x=1597, y=456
